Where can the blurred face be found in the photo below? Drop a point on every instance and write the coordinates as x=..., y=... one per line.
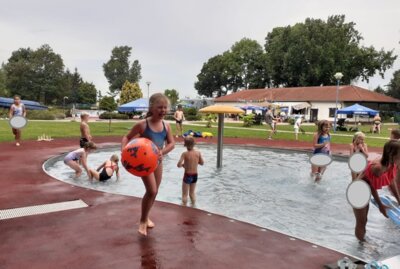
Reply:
x=159, y=109
x=17, y=100
x=325, y=128
x=360, y=140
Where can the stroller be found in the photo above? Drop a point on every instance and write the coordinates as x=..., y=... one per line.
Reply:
x=340, y=125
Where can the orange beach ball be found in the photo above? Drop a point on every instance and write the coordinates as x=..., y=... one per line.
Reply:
x=140, y=157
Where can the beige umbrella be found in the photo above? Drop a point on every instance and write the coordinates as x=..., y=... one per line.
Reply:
x=220, y=110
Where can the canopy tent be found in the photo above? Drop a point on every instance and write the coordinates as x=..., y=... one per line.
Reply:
x=252, y=107
x=357, y=109
x=138, y=105
x=30, y=105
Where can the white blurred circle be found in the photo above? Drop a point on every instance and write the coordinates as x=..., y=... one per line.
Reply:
x=358, y=194
x=357, y=162
x=18, y=122
x=320, y=159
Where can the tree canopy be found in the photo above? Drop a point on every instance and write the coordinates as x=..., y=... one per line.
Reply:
x=394, y=85
x=118, y=70
x=130, y=91
x=107, y=103
x=310, y=53
x=173, y=96
x=305, y=54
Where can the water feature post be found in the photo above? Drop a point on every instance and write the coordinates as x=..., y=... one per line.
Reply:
x=220, y=138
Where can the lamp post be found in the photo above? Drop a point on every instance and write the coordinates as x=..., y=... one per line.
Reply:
x=338, y=76
x=148, y=89
x=65, y=97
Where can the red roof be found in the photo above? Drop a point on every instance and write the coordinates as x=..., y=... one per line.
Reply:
x=347, y=93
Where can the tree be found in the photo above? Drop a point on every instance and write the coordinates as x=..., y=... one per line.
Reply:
x=244, y=66
x=35, y=75
x=380, y=90
x=108, y=103
x=309, y=53
x=117, y=70
x=87, y=93
x=394, y=85
x=130, y=91
x=213, y=79
x=3, y=80
x=172, y=95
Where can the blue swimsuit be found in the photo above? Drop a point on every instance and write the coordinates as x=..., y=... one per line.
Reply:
x=158, y=138
x=323, y=139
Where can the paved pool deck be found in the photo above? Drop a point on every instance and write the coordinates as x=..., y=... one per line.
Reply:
x=104, y=235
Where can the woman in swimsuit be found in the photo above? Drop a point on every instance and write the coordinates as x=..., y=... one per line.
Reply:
x=109, y=167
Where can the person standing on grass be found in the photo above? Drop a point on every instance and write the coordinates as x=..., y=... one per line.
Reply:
x=179, y=118
x=270, y=120
x=297, y=127
x=17, y=109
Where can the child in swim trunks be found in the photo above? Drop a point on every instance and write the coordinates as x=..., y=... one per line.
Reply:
x=109, y=167
x=189, y=161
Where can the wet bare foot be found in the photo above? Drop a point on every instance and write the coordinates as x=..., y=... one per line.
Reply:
x=142, y=228
x=150, y=224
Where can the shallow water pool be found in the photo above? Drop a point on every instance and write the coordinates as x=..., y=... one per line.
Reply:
x=269, y=188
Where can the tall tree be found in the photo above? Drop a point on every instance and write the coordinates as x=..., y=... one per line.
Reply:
x=309, y=53
x=380, y=90
x=172, y=95
x=117, y=69
x=213, y=78
x=87, y=93
x=3, y=80
x=108, y=103
x=394, y=85
x=35, y=75
x=130, y=91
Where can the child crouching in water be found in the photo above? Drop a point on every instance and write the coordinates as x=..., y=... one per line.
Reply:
x=378, y=174
x=75, y=157
x=109, y=167
x=190, y=160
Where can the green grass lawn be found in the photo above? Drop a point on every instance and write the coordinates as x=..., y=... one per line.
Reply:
x=57, y=129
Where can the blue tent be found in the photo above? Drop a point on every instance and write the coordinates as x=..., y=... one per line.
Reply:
x=357, y=109
x=30, y=105
x=138, y=105
x=252, y=107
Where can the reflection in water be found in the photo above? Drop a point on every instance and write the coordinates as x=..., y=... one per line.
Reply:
x=148, y=254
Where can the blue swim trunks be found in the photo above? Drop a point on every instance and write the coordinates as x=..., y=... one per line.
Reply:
x=190, y=178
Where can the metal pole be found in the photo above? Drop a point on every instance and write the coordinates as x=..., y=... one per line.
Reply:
x=337, y=97
x=148, y=89
x=220, y=139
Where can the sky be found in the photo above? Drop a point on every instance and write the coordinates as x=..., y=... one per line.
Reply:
x=172, y=39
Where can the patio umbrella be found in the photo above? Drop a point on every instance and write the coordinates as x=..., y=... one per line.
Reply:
x=221, y=110
x=138, y=105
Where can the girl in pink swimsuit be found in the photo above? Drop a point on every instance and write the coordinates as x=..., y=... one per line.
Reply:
x=378, y=174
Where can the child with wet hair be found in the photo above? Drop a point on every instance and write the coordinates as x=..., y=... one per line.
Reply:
x=109, y=167
x=189, y=161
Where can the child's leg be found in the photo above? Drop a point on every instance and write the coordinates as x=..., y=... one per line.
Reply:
x=192, y=193
x=94, y=174
x=361, y=222
x=185, y=192
x=158, y=178
x=147, y=201
x=75, y=166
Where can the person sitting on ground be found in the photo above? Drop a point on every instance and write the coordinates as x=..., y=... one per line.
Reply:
x=109, y=167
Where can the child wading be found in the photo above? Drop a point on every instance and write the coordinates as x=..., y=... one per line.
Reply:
x=190, y=160
x=321, y=144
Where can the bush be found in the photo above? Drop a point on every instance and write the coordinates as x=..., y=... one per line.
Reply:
x=191, y=114
x=113, y=115
x=291, y=121
x=4, y=113
x=40, y=115
x=210, y=118
x=248, y=120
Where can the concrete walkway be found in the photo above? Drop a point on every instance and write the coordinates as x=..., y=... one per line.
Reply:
x=104, y=235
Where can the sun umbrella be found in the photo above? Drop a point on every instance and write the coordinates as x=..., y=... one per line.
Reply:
x=221, y=110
